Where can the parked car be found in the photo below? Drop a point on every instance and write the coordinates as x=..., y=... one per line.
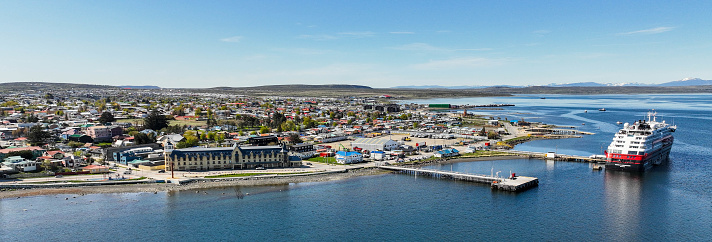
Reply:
x=161, y=171
x=127, y=172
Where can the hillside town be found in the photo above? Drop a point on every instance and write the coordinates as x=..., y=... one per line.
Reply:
x=120, y=134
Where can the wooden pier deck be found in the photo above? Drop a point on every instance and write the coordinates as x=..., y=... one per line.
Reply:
x=558, y=157
x=519, y=183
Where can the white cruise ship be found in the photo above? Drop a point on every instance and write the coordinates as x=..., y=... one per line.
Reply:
x=640, y=145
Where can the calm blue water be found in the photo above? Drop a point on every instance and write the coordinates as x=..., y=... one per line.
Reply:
x=672, y=202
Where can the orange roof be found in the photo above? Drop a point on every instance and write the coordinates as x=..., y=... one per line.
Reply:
x=54, y=152
x=20, y=149
x=92, y=167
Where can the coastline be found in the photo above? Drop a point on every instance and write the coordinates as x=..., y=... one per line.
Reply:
x=208, y=183
x=196, y=184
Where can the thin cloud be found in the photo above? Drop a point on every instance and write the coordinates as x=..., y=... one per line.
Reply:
x=401, y=32
x=233, y=39
x=364, y=34
x=304, y=51
x=541, y=32
x=477, y=49
x=649, y=31
x=320, y=37
x=419, y=47
x=463, y=62
x=426, y=47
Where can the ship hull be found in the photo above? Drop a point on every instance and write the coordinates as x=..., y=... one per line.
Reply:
x=659, y=157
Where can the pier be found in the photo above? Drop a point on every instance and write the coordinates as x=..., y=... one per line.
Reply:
x=515, y=184
x=557, y=157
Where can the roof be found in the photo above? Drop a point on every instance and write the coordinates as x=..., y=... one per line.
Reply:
x=94, y=167
x=5, y=151
x=372, y=141
x=200, y=152
x=344, y=153
x=260, y=149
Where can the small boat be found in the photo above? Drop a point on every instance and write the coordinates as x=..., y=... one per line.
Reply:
x=602, y=110
x=585, y=111
x=619, y=122
x=583, y=123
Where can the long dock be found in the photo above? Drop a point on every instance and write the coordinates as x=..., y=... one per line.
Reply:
x=558, y=157
x=519, y=183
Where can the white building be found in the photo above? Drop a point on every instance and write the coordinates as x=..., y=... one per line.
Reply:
x=374, y=144
x=343, y=157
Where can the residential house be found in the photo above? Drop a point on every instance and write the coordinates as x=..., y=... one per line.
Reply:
x=99, y=133
x=446, y=153
x=93, y=169
x=18, y=164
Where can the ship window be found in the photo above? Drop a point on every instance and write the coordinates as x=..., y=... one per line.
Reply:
x=632, y=153
x=634, y=147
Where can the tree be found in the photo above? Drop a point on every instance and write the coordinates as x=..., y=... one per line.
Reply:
x=32, y=118
x=155, y=121
x=106, y=117
x=37, y=135
x=75, y=144
x=492, y=135
x=294, y=138
x=27, y=154
x=264, y=130
x=190, y=141
x=220, y=138
x=141, y=138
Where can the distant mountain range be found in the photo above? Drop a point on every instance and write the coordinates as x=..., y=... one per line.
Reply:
x=679, y=83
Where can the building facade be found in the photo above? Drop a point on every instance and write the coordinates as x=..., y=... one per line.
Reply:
x=237, y=157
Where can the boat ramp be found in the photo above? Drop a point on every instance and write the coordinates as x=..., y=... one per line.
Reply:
x=515, y=184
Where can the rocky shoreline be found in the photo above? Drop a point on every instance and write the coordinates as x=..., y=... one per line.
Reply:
x=193, y=185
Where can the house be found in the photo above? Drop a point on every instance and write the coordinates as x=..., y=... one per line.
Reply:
x=54, y=154
x=99, y=133
x=343, y=157
x=446, y=153
x=93, y=169
x=36, y=151
x=378, y=155
x=71, y=161
x=303, y=150
x=169, y=141
x=262, y=140
x=18, y=164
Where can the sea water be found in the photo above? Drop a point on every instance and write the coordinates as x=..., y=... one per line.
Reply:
x=572, y=202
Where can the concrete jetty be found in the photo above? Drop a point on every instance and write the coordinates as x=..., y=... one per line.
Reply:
x=554, y=156
x=515, y=184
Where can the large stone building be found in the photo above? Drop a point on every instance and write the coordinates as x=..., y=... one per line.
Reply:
x=237, y=157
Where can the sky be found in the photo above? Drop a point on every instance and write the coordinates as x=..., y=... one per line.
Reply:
x=197, y=44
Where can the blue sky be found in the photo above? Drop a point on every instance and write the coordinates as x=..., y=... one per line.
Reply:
x=373, y=43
